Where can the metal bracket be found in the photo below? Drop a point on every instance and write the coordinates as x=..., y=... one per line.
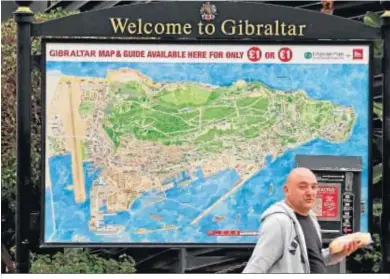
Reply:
x=34, y=221
x=36, y=61
x=349, y=181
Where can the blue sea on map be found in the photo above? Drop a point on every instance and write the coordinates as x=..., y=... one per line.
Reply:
x=346, y=85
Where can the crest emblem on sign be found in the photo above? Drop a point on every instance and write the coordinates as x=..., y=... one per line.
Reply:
x=208, y=11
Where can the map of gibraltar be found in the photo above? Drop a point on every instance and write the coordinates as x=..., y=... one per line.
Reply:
x=167, y=152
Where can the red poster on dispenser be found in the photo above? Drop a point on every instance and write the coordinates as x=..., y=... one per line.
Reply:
x=328, y=202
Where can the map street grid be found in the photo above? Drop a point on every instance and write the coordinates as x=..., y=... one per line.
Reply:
x=147, y=146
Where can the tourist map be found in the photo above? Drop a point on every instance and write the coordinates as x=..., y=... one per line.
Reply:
x=190, y=143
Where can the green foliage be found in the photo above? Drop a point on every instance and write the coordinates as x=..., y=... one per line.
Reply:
x=374, y=20
x=80, y=261
x=377, y=174
x=368, y=260
x=378, y=110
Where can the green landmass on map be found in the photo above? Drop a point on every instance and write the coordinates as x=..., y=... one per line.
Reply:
x=213, y=118
x=135, y=139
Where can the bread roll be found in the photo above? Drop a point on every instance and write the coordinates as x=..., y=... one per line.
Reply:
x=363, y=239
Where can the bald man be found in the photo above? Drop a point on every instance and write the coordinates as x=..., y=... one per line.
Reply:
x=290, y=236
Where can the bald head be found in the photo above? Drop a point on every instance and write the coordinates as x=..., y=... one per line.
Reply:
x=299, y=174
x=301, y=190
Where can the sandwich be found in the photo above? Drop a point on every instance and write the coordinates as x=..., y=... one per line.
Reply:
x=362, y=239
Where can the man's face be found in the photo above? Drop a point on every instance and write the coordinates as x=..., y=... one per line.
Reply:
x=301, y=190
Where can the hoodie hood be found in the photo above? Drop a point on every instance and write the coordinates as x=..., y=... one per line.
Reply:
x=279, y=207
x=282, y=207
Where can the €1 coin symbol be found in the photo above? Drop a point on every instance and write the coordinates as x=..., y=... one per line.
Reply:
x=285, y=54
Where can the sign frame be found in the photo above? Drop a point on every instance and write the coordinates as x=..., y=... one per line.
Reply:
x=238, y=11
x=260, y=42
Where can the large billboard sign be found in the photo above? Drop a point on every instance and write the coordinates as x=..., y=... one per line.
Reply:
x=188, y=143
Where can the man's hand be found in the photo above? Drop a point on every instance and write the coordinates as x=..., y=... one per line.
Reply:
x=347, y=244
x=349, y=247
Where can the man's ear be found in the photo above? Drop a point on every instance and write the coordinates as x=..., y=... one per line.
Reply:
x=285, y=189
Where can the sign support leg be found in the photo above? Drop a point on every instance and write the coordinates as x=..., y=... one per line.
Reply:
x=182, y=263
x=385, y=225
x=24, y=19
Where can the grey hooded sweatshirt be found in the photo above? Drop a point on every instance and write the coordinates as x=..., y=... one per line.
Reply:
x=281, y=246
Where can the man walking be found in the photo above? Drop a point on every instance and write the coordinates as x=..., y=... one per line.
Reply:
x=290, y=236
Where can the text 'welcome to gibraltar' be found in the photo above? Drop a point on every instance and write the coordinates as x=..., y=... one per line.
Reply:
x=228, y=27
